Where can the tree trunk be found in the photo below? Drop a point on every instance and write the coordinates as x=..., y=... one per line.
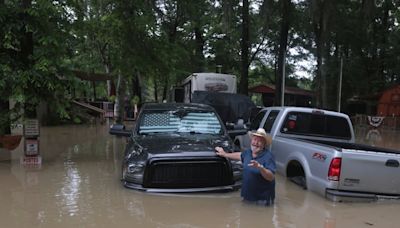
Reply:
x=119, y=108
x=383, y=43
x=110, y=83
x=279, y=91
x=25, y=54
x=244, y=80
x=199, y=50
x=320, y=21
x=5, y=125
x=155, y=89
x=136, y=85
x=4, y=102
x=165, y=89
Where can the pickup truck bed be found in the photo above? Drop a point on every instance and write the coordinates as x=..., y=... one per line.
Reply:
x=366, y=172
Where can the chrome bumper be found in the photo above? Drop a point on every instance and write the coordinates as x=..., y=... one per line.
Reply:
x=346, y=196
x=233, y=187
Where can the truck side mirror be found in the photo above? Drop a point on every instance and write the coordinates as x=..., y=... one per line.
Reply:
x=229, y=125
x=119, y=130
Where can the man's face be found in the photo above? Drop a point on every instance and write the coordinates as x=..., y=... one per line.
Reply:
x=257, y=144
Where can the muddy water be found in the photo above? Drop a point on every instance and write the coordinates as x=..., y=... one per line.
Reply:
x=78, y=186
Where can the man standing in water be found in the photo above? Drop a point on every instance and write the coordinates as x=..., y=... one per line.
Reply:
x=259, y=168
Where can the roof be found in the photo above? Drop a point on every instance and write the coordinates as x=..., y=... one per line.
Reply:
x=267, y=88
x=304, y=109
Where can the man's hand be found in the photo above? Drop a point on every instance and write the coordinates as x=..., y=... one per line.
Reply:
x=266, y=173
x=254, y=163
x=220, y=151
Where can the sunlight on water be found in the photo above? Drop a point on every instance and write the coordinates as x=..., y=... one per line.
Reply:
x=70, y=192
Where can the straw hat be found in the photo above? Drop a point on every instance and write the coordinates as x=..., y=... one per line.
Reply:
x=261, y=133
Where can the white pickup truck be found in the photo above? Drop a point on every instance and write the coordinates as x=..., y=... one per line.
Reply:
x=316, y=149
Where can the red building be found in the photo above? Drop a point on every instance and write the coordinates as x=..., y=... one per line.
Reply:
x=389, y=102
x=293, y=96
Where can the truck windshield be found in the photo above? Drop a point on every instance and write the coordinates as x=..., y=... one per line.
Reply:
x=179, y=122
x=314, y=124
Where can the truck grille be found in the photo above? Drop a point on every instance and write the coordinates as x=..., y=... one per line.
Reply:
x=187, y=174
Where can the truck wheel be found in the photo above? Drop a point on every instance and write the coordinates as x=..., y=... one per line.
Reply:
x=295, y=173
x=300, y=181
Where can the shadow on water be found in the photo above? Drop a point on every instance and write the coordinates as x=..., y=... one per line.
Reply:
x=78, y=186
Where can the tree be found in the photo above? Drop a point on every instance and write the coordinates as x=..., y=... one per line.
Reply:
x=285, y=23
x=244, y=81
x=321, y=11
x=32, y=55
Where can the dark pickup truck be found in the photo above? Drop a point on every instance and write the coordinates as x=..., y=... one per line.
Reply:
x=171, y=149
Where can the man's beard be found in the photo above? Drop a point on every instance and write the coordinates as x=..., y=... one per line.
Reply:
x=256, y=149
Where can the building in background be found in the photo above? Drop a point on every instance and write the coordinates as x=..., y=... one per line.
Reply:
x=389, y=102
x=293, y=96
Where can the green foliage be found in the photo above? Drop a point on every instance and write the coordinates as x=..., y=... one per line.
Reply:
x=112, y=98
x=77, y=120
x=135, y=100
x=33, y=50
x=155, y=44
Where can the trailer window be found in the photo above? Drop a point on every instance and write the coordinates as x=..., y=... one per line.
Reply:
x=314, y=124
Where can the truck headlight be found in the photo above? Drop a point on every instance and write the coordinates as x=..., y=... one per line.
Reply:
x=135, y=167
x=133, y=172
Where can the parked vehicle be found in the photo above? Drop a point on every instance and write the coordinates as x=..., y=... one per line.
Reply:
x=316, y=149
x=171, y=149
x=211, y=82
x=234, y=109
x=219, y=91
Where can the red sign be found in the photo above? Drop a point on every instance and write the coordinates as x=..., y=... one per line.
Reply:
x=31, y=161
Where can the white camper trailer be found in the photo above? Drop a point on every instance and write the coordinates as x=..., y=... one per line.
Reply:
x=213, y=82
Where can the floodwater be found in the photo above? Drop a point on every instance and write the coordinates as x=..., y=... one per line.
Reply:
x=78, y=185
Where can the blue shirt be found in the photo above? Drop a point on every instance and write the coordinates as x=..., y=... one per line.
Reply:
x=254, y=186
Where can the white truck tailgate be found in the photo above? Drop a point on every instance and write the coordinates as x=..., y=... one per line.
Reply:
x=367, y=171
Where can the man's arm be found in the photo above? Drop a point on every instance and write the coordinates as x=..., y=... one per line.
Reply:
x=221, y=152
x=266, y=173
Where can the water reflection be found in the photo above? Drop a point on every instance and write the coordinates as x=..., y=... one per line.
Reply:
x=78, y=186
x=70, y=191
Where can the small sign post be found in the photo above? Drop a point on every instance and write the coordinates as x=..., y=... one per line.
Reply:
x=31, y=128
x=31, y=144
x=32, y=147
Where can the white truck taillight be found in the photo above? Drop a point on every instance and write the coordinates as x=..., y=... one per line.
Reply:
x=334, y=169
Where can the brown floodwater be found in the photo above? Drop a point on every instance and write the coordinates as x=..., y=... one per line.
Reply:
x=78, y=185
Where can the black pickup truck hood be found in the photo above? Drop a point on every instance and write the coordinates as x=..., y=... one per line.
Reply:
x=167, y=144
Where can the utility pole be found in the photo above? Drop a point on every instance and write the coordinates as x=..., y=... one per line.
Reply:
x=283, y=79
x=340, y=84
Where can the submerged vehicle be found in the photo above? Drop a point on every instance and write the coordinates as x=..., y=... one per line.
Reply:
x=171, y=149
x=316, y=149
